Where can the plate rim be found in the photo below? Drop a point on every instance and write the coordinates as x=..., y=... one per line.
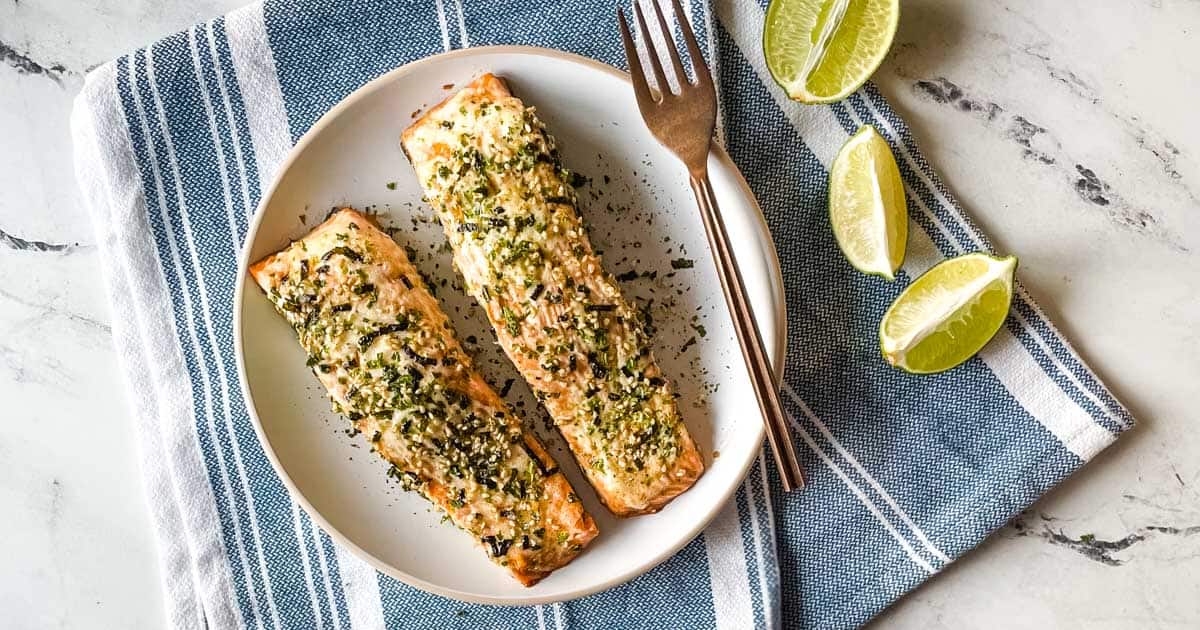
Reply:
x=776, y=354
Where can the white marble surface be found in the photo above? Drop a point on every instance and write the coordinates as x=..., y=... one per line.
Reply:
x=1067, y=129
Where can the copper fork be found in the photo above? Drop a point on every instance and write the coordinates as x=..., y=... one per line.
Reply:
x=683, y=123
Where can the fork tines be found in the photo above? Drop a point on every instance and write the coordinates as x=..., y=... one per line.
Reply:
x=699, y=67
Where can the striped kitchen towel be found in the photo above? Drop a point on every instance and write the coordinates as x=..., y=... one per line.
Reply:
x=175, y=144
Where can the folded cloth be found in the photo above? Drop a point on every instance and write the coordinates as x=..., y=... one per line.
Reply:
x=174, y=146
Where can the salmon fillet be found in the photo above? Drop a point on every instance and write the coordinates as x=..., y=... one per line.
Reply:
x=385, y=352
x=509, y=209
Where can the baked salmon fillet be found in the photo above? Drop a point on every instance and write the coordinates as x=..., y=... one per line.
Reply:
x=385, y=352
x=492, y=174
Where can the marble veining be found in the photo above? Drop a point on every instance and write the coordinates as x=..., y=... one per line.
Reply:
x=1042, y=146
x=1063, y=75
x=1088, y=545
x=48, y=310
x=24, y=65
x=15, y=242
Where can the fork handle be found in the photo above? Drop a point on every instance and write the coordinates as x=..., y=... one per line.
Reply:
x=761, y=377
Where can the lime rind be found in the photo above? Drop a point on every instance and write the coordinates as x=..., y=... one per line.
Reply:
x=867, y=206
x=949, y=314
x=821, y=51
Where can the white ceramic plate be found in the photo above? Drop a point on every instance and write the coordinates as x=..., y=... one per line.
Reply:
x=640, y=213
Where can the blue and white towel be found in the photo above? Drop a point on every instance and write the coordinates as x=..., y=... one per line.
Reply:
x=174, y=145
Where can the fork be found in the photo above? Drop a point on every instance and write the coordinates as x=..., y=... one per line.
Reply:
x=684, y=124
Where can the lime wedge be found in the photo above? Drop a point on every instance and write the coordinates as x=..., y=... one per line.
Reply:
x=948, y=314
x=866, y=204
x=820, y=51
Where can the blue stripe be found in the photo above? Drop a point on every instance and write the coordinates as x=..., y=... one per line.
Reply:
x=874, y=497
x=213, y=266
x=766, y=526
x=577, y=26
x=236, y=129
x=847, y=567
x=213, y=86
x=1068, y=358
x=843, y=118
x=217, y=264
x=173, y=231
x=240, y=123
x=307, y=535
x=676, y=593
x=155, y=212
x=1025, y=337
x=318, y=67
x=745, y=511
x=216, y=243
x=339, y=592
x=406, y=608
x=213, y=233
